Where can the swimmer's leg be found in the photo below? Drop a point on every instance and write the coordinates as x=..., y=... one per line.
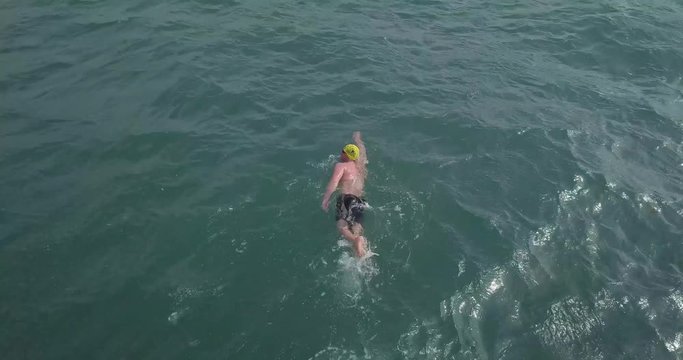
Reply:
x=361, y=245
x=345, y=230
x=355, y=238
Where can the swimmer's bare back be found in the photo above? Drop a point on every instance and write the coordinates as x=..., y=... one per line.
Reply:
x=355, y=172
x=351, y=182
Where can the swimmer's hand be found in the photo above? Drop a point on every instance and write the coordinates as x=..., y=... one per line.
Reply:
x=325, y=205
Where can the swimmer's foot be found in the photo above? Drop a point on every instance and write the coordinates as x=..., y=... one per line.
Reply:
x=360, y=246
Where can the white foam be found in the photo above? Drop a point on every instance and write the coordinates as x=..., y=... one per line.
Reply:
x=323, y=164
x=176, y=315
x=569, y=195
x=239, y=247
x=597, y=208
x=444, y=309
x=494, y=286
x=568, y=321
x=183, y=293
x=514, y=315
x=291, y=183
x=573, y=133
x=605, y=301
x=543, y=235
x=592, y=239
x=676, y=298
x=646, y=201
x=675, y=344
x=644, y=305
x=461, y=267
x=354, y=273
x=520, y=259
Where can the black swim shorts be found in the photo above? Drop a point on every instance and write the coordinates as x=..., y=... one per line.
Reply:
x=350, y=208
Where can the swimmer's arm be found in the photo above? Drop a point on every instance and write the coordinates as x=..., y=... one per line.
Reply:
x=363, y=156
x=332, y=185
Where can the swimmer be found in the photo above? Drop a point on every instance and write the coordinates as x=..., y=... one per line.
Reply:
x=349, y=176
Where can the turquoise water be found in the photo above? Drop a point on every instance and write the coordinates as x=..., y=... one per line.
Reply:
x=162, y=166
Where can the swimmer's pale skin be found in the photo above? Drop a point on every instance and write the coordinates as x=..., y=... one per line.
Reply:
x=349, y=175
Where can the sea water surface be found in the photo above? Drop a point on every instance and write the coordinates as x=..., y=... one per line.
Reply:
x=162, y=165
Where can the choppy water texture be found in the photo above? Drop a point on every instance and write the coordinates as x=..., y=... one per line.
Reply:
x=162, y=162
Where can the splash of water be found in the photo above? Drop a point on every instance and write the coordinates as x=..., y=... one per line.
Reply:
x=353, y=273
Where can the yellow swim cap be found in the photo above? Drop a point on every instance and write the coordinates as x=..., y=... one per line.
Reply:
x=351, y=151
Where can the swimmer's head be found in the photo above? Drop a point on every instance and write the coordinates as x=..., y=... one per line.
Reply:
x=351, y=151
